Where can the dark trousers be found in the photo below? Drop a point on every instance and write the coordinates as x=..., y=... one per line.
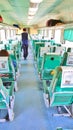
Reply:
x=25, y=50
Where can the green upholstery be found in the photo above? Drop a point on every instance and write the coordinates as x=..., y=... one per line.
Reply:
x=14, y=45
x=36, y=48
x=42, y=40
x=7, y=72
x=61, y=88
x=33, y=42
x=17, y=50
x=14, y=59
x=7, y=98
x=52, y=48
x=7, y=47
x=50, y=61
x=58, y=49
x=52, y=42
x=67, y=59
x=41, y=52
x=69, y=49
x=4, y=95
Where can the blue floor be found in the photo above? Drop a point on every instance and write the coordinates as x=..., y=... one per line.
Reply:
x=30, y=110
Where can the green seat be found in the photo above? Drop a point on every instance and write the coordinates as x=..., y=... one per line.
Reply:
x=67, y=59
x=61, y=88
x=7, y=99
x=52, y=48
x=15, y=45
x=17, y=50
x=69, y=49
x=36, y=48
x=33, y=43
x=41, y=52
x=14, y=59
x=49, y=62
x=60, y=50
x=7, y=71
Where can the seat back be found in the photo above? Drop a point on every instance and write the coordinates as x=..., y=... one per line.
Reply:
x=69, y=49
x=14, y=59
x=52, y=48
x=41, y=52
x=4, y=66
x=50, y=61
x=4, y=96
x=37, y=46
x=60, y=50
x=61, y=87
x=44, y=50
x=67, y=59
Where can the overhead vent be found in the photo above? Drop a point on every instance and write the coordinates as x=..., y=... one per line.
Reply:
x=53, y=22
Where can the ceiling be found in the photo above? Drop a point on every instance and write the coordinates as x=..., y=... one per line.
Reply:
x=16, y=12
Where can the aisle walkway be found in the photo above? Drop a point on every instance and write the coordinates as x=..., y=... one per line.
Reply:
x=29, y=108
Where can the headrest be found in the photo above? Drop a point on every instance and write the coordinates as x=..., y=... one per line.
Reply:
x=44, y=50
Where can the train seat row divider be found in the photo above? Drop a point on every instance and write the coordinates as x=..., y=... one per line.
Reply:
x=8, y=85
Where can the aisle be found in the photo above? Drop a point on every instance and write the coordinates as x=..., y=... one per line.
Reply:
x=29, y=108
x=31, y=112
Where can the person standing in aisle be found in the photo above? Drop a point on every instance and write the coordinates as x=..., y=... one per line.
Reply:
x=25, y=43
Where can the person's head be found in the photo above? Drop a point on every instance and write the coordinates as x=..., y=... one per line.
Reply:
x=24, y=29
x=4, y=52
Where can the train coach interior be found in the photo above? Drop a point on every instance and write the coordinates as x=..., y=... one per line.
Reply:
x=36, y=93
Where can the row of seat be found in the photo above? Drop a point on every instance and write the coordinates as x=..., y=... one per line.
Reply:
x=55, y=66
x=9, y=70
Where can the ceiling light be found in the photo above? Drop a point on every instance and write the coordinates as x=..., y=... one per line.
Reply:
x=36, y=1
x=33, y=9
x=31, y=13
x=30, y=17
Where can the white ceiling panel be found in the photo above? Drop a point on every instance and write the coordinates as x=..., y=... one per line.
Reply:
x=16, y=12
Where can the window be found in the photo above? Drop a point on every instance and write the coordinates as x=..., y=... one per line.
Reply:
x=2, y=35
x=57, y=36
